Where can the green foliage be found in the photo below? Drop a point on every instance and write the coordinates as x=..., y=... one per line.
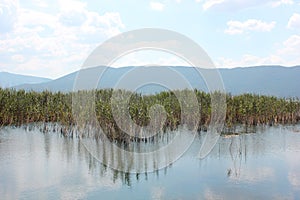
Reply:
x=21, y=107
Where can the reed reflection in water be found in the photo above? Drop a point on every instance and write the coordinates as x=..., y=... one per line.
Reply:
x=49, y=166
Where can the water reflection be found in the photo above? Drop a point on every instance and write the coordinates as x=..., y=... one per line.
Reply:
x=32, y=163
x=49, y=166
x=138, y=157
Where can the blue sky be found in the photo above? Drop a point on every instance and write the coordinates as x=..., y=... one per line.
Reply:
x=53, y=38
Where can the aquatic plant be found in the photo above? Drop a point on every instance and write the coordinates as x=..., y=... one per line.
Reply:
x=19, y=108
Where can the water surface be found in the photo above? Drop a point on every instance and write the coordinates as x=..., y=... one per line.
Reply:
x=264, y=165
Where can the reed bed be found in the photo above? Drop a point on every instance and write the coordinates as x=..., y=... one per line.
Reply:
x=23, y=108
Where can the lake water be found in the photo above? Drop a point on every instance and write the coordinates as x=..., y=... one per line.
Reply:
x=264, y=165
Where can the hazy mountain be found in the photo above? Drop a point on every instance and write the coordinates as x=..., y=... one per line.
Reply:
x=11, y=80
x=269, y=80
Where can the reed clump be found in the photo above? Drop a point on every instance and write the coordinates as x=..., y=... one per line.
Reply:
x=19, y=108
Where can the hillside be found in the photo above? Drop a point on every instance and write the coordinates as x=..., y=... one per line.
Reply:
x=268, y=80
x=11, y=80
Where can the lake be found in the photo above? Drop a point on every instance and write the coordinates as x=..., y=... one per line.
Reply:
x=261, y=165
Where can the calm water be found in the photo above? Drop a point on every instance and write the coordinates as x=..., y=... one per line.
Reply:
x=264, y=165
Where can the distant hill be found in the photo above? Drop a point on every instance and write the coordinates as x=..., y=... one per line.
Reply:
x=268, y=80
x=10, y=80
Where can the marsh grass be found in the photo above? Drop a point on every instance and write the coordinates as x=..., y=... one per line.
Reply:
x=53, y=112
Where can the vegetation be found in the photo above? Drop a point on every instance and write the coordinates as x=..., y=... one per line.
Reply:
x=18, y=107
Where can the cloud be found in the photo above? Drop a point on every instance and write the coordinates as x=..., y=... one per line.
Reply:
x=212, y=3
x=72, y=5
x=8, y=11
x=157, y=6
x=281, y=2
x=235, y=5
x=18, y=58
x=228, y=5
x=28, y=19
x=53, y=41
x=294, y=21
x=40, y=3
x=238, y=27
x=72, y=18
x=149, y=57
x=291, y=46
x=249, y=60
x=287, y=55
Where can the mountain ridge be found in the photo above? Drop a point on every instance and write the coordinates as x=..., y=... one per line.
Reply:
x=8, y=79
x=264, y=80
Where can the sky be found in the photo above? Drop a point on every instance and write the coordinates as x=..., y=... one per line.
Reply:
x=52, y=38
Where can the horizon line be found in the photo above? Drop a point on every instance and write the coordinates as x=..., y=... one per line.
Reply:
x=60, y=76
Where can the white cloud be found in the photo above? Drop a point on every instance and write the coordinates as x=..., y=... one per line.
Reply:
x=211, y=3
x=238, y=27
x=291, y=47
x=157, y=6
x=229, y=5
x=294, y=21
x=54, y=41
x=18, y=58
x=281, y=2
x=287, y=55
x=72, y=18
x=40, y=3
x=8, y=11
x=71, y=5
x=249, y=60
x=30, y=18
x=234, y=5
x=149, y=57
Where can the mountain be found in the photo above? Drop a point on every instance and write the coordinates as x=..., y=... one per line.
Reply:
x=268, y=80
x=10, y=80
